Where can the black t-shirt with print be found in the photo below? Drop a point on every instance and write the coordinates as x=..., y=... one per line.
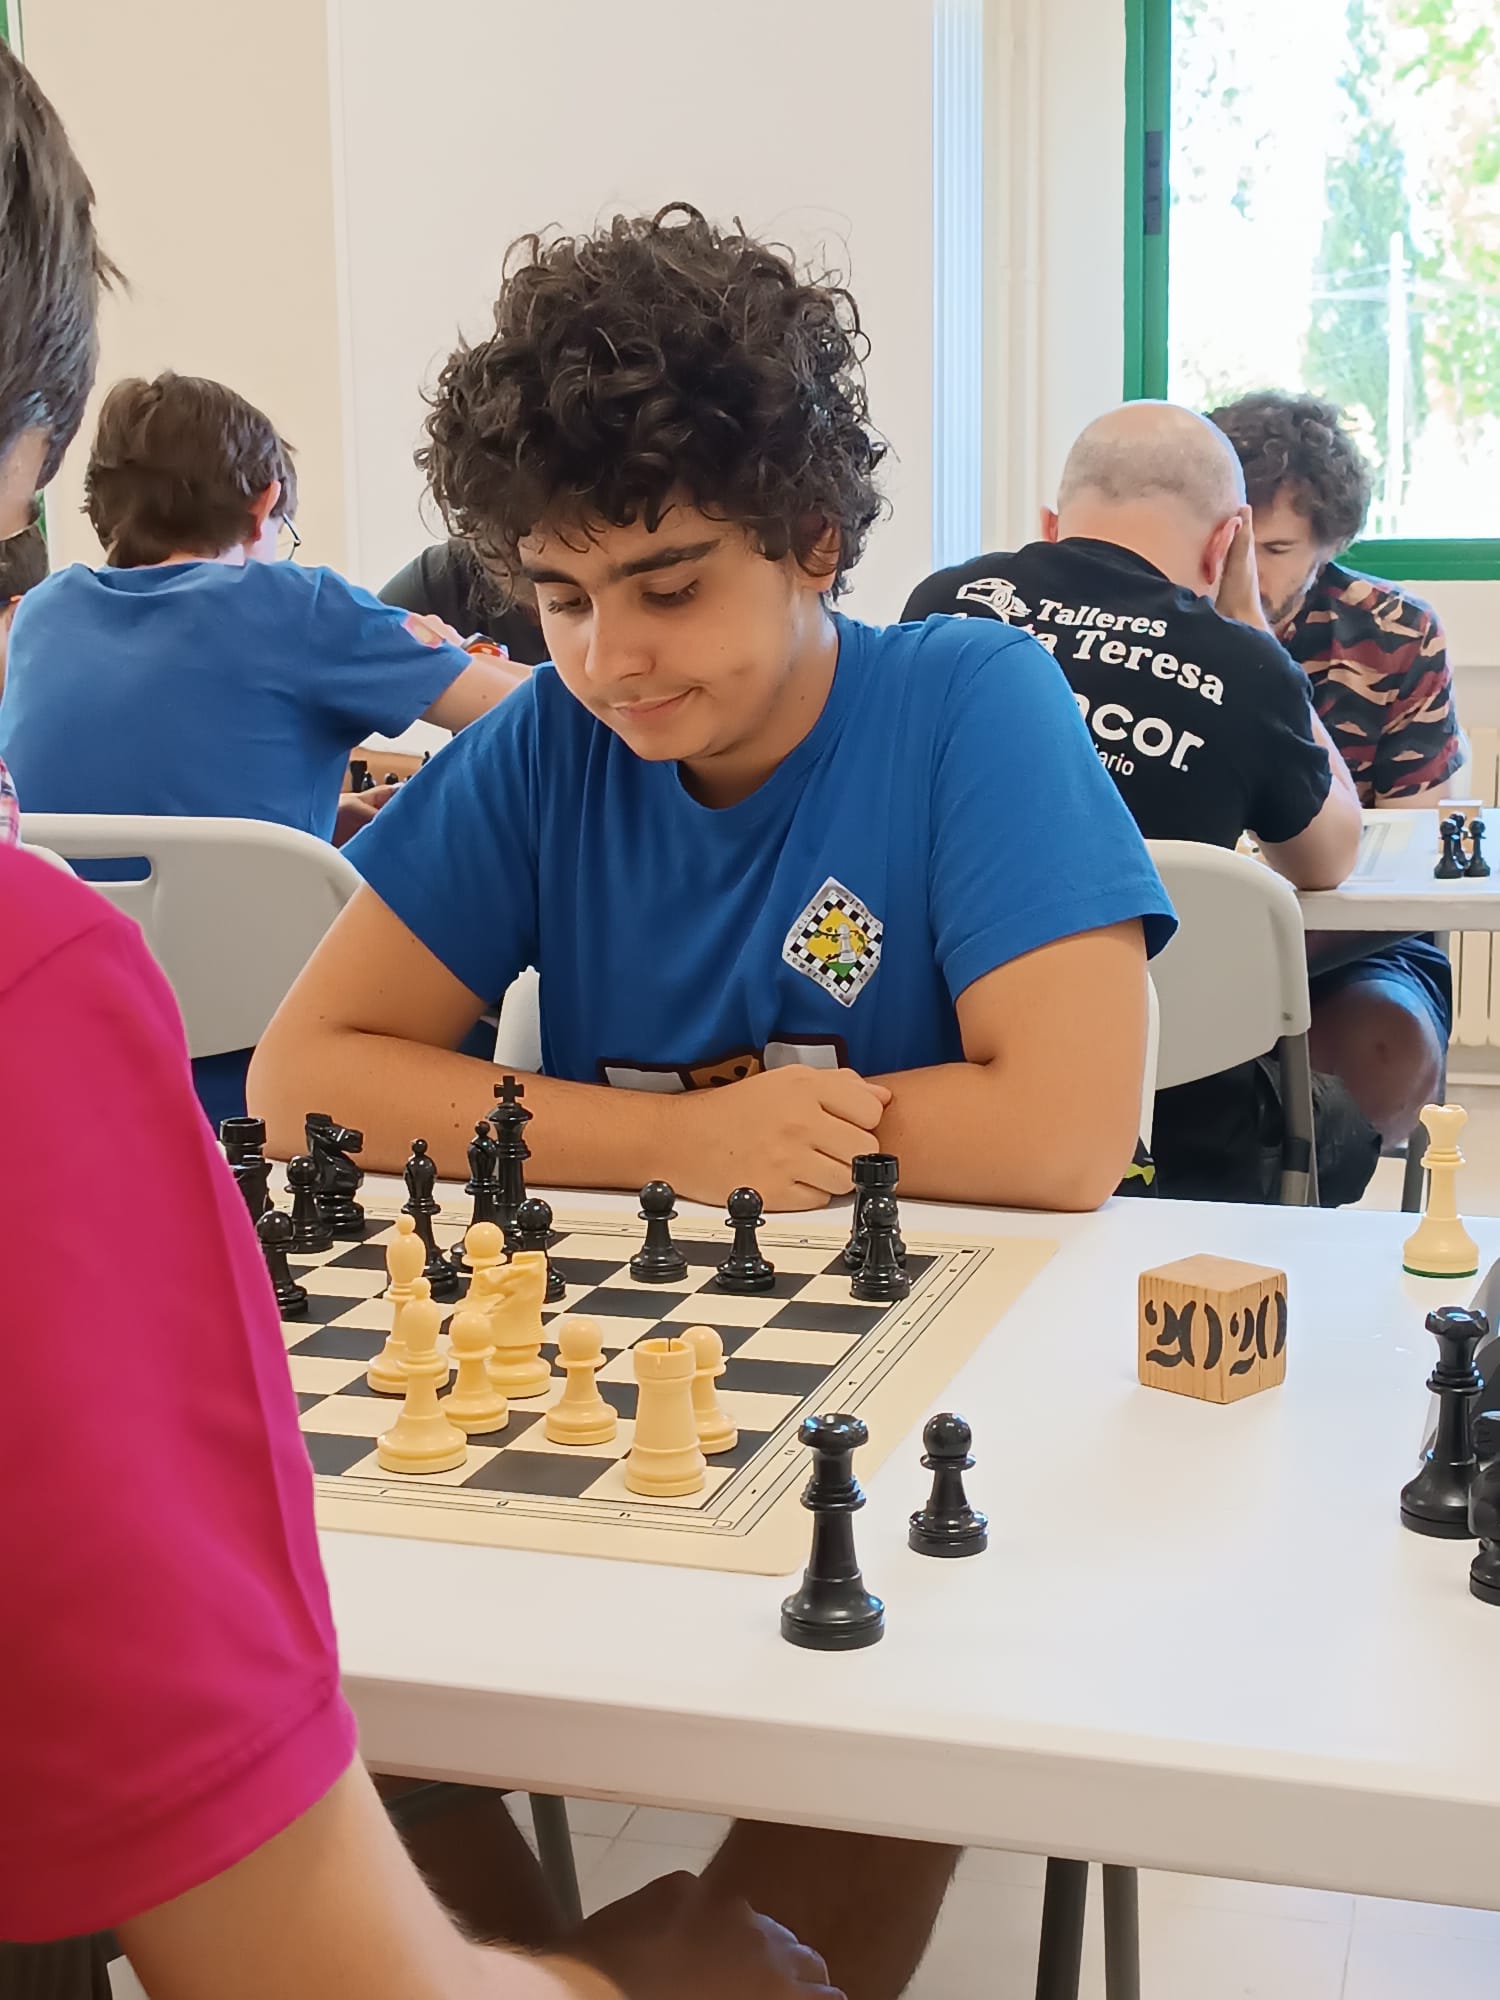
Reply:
x=1204, y=724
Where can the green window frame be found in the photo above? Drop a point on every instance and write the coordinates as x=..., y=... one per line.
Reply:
x=1148, y=220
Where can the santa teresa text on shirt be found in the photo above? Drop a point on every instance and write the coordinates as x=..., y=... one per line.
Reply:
x=1089, y=632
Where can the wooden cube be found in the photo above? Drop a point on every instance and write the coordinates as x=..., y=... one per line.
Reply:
x=1213, y=1328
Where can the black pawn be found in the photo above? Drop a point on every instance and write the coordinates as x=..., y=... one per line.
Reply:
x=880, y=1277
x=744, y=1269
x=1451, y=862
x=1477, y=865
x=420, y=1175
x=874, y=1173
x=833, y=1612
x=948, y=1525
x=658, y=1261
x=1436, y=1502
x=1484, y=1511
x=310, y=1233
x=533, y=1230
x=275, y=1232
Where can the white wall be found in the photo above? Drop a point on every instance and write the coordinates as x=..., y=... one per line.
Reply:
x=204, y=127
x=302, y=213
x=811, y=123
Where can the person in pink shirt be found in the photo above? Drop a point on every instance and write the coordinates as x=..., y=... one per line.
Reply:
x=177, y=1762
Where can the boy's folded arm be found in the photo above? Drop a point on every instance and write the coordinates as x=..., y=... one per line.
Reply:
x=371, y=1026
x=1045, y=1111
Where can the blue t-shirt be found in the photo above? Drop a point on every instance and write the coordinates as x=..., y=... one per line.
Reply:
x=200, y=688
x=945, y=814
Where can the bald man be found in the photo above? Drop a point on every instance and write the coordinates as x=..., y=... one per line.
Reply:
x=1143, y=588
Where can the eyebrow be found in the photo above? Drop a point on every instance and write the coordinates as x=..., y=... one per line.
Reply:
x=659, y=559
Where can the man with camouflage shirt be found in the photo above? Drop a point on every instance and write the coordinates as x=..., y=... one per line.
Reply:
x=1378, y=663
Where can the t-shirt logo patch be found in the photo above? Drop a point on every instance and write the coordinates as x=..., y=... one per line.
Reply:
x=835, y=943
x=998, y=596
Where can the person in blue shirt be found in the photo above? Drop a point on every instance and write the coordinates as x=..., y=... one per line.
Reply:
x=870, y=882
x=196, y=673
x=796, y=887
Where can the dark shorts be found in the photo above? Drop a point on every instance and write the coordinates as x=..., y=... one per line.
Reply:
x=1414, y=965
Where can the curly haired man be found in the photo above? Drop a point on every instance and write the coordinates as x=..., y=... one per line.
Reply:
x=747, y=842
x=1378, y=663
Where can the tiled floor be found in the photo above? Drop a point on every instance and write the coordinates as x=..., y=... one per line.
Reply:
x=1200, y=1939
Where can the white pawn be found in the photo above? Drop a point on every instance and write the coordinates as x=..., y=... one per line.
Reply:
x=422, y=1439
x=404, y=1258
x=716, y=1429
x=484, y=1247
x=516, y=1366
x=580, y=1415
x=473, y=1403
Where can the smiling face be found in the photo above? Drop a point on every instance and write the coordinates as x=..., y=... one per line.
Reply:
x=686, y=642
x=1288, y=557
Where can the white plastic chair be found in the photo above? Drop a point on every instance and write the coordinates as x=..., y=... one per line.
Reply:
x=1232, y=986
x=1153, y=1050
x=232, y=909
x=46, y=854
x=518, y=1033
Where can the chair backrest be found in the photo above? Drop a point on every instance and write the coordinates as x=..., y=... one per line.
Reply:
x=518, y=1037
x=232, y=908
x=1233, y=981
x=1153, y=1051
x=46, y=854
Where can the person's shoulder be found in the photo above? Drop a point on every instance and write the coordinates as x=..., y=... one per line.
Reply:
x=1377, y=598
x=43, y=910
x=58, y=593
x=945, y=650
x=960, y=586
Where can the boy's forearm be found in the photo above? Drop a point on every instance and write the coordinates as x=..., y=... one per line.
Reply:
x=581, y=1134
x=963, y=1134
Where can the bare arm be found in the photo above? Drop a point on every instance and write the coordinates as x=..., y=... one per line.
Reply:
x=1327, y=848
x=481, y=686
x=1049, y=1099
x=332, y=1905
x=1045, y=1110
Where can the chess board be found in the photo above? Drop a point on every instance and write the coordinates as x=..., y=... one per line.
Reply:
x=806, y=1346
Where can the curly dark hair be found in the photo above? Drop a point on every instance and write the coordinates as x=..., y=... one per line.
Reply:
x=175, y=466
x=661, y=355
x=1301, y=443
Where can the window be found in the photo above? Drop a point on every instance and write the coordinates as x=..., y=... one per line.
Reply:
x=1314, y=203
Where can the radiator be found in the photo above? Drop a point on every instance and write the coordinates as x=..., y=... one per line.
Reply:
x=1476, y=987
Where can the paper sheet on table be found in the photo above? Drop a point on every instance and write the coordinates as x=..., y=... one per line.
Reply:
x=1380, y=849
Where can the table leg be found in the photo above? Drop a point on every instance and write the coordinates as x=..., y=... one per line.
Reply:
x=1060, y=1957
x=1122, y=1934
x=554, y=1850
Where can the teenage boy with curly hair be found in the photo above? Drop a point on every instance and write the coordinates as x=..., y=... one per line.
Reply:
x=876, y=888
x=1378, y=663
